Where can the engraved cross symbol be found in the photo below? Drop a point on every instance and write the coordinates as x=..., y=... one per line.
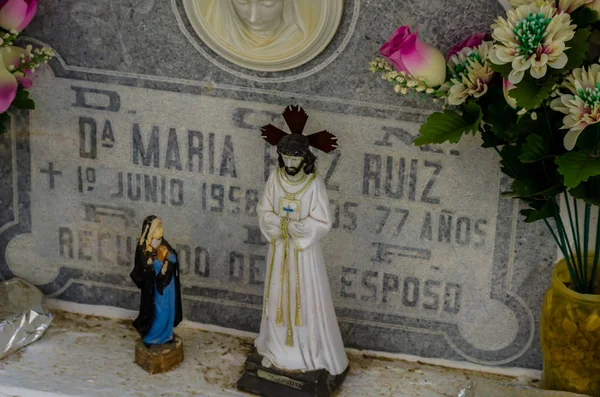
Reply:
x=51, y=174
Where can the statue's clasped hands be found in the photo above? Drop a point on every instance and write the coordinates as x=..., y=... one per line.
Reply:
x=297, y=229
x=162, y=253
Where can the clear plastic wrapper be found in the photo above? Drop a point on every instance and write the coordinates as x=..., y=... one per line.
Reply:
x=23, y=315
x=486, y=388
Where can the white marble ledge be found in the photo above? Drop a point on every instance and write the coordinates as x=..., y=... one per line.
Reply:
x=85, y=355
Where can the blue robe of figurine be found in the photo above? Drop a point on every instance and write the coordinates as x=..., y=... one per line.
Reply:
x=164, y=309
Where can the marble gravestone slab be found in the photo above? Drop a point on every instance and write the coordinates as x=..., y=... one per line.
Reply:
x=137, y=116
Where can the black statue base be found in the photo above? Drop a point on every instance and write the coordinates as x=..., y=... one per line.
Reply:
x=274, y=382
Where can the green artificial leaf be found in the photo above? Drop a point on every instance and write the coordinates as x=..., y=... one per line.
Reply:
x=531, y=92
x=527, y=187
x=448, y=125
x=511, y=165
x=594, y=43
x=23, y=101
x=534, y=149
x=4, y=120
x=526, y=126
x=536, y=180
x=509, y=194
x=588, y=191
x=493, y=96
x=531, y=187
x=504, y=70
x=473, y=115
x=583, y=17
x=552, y=191
x=589, y=137
x=577, y=47
x=502, y=120
x=490, y=139
x=536, y=214
x=577, y=167
x=441, y=127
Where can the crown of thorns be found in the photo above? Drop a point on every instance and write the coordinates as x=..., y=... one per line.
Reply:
x=295, y=118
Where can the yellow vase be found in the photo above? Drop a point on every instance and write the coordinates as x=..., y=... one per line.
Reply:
x=570, y=336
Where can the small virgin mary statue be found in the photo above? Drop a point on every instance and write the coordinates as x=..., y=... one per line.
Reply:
x=156, y=274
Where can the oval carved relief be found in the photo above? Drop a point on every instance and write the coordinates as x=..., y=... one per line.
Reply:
x=265, y=35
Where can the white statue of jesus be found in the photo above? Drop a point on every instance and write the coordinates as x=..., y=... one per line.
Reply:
x=299, y=329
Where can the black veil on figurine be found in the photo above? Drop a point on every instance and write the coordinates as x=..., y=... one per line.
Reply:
x=156, y=274
x=299, y=351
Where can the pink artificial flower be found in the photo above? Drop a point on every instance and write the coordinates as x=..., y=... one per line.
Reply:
x=25, y=79
x=410, y=55
x=470, y=42
x=506, y=87
x=395, y=42
x=16, y=14
x=10, y=57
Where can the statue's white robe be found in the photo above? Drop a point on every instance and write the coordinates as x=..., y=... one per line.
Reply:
x=317, y=341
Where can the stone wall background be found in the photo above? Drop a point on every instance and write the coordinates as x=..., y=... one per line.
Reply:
x=425, y=258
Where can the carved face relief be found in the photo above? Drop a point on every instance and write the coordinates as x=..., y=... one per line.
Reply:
x=265, y=35
x=260, y=15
